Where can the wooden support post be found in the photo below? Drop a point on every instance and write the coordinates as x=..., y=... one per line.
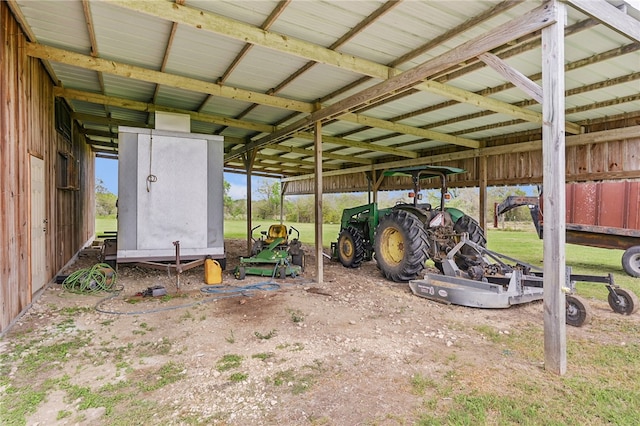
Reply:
x=482, y=183
x=317, y=140
x=378, y=183
x=248, y=160
x=553, y=156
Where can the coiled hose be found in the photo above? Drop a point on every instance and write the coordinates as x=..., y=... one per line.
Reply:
x=99, y=278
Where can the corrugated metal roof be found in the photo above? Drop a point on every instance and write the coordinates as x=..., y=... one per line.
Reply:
x=293, y=60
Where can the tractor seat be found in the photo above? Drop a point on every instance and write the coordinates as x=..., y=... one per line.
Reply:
x=276, y=231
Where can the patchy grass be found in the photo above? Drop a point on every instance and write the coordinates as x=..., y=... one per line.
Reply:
x=296, y=315
x=228, y=362
x=169, y=373
x=269, y=335
x=298, y=382
x=238, y=377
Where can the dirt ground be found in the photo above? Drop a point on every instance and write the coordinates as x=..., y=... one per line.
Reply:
x=348, y=351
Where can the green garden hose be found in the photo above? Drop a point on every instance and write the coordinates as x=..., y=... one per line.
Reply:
x=99, y=278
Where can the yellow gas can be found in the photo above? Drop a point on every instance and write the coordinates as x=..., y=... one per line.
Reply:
x=212, y=272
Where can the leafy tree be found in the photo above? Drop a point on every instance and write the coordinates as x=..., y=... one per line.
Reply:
x=226, y=197
x=105, y=200
x=268, y=204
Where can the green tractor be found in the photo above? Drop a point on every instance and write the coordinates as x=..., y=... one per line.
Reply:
x=405, y=236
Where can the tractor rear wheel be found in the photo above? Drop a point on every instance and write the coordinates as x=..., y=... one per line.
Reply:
x=466, y=257
x=401, y=246
x=350, y=247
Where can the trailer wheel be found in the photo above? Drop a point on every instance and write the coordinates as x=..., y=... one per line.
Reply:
x=578, y=311
x=631, y=261
x=401, y=246
x=350, y=247
x=626, y=303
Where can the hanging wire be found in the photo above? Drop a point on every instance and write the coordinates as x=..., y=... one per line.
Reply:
x=150, y=177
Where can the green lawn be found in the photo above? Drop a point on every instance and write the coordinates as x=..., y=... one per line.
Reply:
x=522, y=245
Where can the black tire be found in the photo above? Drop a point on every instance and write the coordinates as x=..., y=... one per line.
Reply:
x=240, y=273
x=626, y=303
x=631, y=261
x=466, y=257
x=350, y=247
x=257, y=247
x=401, y=246
x=578, y=311
x=298, y=259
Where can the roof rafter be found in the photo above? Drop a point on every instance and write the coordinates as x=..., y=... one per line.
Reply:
x=534, y=20
x=138, y=73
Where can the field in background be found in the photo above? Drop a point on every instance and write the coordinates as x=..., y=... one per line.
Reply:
x=520, y=244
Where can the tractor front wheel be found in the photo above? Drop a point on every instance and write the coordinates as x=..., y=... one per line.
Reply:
x=350, y=247
x=467, y=256
x=401, y=246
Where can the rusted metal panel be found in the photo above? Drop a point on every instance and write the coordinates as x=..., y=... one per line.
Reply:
x=604, y=204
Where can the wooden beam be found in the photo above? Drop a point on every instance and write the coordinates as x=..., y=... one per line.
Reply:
x=553, y=182
x=150, y=107
x=491, y=104
x=95, y=119
x=610, y=16
x=99, y=133
x=532, y=21
x=328, y=155
x=278, y=160
x=101, y=143
x=409, y=130
x=231, y=122
x=348, y=143
x=172, y=80
x=513, y=75
x=147, y=107
x=218, y=24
